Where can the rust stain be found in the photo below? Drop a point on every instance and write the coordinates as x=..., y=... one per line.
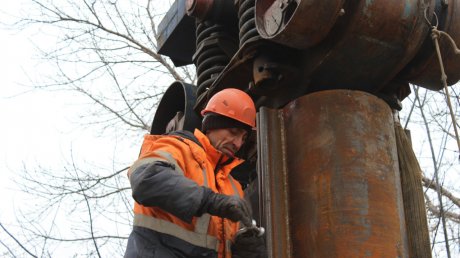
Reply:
x=342, y=177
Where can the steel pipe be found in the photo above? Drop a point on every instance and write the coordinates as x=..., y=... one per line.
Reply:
x=335, y=161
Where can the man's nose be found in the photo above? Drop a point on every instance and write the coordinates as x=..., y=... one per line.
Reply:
x=238, y=142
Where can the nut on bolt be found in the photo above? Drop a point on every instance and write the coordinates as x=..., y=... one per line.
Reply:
x=199, y=8
x=252, y=230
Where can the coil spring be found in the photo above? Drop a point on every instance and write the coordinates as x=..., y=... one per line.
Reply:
x=247, y=21
x=211, y=60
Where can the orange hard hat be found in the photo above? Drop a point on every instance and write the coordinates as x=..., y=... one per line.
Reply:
x=232, y=103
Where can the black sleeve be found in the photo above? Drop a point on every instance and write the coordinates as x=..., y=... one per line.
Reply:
x=159, y=185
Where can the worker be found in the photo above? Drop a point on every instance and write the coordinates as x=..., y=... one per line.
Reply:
x=186, y=202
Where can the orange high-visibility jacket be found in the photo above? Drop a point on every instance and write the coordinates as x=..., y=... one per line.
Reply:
x=167, y=182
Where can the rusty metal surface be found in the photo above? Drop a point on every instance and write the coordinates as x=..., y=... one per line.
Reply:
x=298, y=24
x=365, y=50
x=198, y=8
x=273, y=179
x=240, y=70
x=424, y=70
x=342, y=173
x=370, y=44
x=218, y=11
x=362, y=45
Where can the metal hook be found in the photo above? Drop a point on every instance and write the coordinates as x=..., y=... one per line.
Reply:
x=427, y=21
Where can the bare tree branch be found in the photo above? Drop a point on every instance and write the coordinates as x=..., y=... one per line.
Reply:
x=436, y=176
x=435, y=210
x=432, y=185
x=89, y=211
x=17, y=241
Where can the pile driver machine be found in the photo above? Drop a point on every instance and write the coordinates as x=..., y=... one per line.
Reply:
x=327, y=78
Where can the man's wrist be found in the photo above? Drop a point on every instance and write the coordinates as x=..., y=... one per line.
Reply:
x=205, y=201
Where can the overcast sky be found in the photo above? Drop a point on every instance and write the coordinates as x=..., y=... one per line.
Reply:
x=40, y=128
x=21, y=114
x=37, y=127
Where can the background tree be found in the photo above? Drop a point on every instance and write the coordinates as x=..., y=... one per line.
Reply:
x=427, y=115
x=104, y=53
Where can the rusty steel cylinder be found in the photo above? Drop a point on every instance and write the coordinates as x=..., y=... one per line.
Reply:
x=366, y=44
x=339, y=173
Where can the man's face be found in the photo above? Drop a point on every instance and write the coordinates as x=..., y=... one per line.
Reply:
x=228, y=140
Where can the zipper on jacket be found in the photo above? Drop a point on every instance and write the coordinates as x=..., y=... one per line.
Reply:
x=220, y=165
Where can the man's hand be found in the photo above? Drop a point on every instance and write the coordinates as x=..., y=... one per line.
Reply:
x=249, y=244
x=225, y=206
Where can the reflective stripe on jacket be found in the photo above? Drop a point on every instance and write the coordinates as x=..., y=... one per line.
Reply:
x=167, y=182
